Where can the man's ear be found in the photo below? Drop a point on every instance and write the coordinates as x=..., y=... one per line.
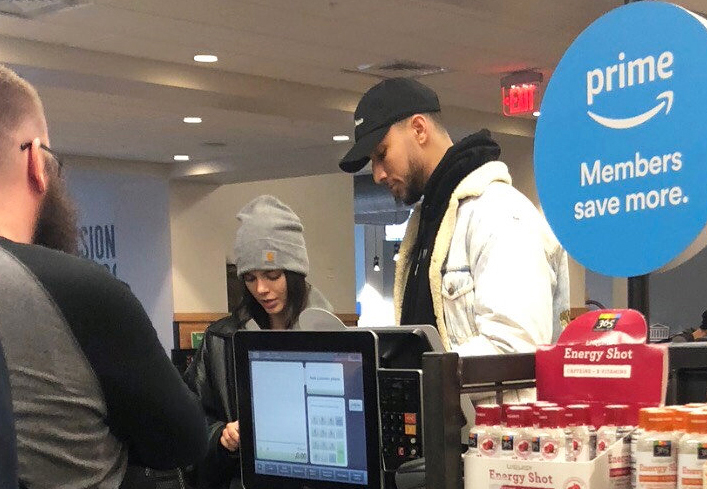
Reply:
x=36, y=174
x=421, y=127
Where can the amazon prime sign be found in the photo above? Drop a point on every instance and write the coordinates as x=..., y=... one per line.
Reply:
x=620, y=159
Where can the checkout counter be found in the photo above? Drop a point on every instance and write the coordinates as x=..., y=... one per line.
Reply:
x=415, y=394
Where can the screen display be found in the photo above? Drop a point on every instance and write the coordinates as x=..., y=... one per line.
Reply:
x=308, y=415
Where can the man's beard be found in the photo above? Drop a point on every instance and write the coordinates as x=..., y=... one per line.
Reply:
x=57, y=224
x=414, y=184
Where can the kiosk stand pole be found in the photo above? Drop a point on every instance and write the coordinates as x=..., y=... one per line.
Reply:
x=442, y=420
x=638, y=295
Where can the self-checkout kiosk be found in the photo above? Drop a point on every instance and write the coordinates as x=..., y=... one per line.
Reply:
x=308, y=409
x=400, y=352
x=286, y=378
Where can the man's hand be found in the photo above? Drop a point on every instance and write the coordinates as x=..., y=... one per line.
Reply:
x=231, y=436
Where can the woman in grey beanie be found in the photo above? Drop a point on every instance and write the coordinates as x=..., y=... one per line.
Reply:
x=271, y=263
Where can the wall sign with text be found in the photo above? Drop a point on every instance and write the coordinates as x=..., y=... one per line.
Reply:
x=620, y=153
x=97, y=242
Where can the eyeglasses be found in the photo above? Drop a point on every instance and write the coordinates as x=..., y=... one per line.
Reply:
x=24, y=146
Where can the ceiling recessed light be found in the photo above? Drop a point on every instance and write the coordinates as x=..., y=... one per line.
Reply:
x=341, y=137
x=192, y=120
x=205, y=58
x=536, y=113
x=181, y=157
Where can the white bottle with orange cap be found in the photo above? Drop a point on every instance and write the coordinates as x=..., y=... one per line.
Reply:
x=680, y=419
x=693, y=451
x=656, y=450
x=679, y=424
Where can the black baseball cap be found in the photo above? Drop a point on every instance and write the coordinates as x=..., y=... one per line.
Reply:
x=380, y=107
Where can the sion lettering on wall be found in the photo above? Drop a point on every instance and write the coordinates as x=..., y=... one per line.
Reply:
x=97, y=242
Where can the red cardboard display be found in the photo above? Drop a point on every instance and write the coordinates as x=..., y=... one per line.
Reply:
x=602, y=358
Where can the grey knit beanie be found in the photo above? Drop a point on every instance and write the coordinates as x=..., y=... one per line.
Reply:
x=269, y=238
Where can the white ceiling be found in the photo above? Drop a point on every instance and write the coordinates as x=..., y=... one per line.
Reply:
x=117, y=76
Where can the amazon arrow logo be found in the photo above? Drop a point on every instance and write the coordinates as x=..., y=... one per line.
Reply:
x=626, y=74
x=629, y=122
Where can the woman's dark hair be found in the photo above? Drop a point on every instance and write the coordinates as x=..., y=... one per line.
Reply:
x=297, y=292
x=234, y=288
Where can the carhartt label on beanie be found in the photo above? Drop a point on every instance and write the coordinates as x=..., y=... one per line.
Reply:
x=269, y=238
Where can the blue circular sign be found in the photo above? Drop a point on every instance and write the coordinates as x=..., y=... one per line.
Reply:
x=621, y=141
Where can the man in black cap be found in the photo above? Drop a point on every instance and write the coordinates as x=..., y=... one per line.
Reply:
x=478, y=260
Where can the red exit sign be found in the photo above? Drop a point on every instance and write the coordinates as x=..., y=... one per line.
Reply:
x=518, y=99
